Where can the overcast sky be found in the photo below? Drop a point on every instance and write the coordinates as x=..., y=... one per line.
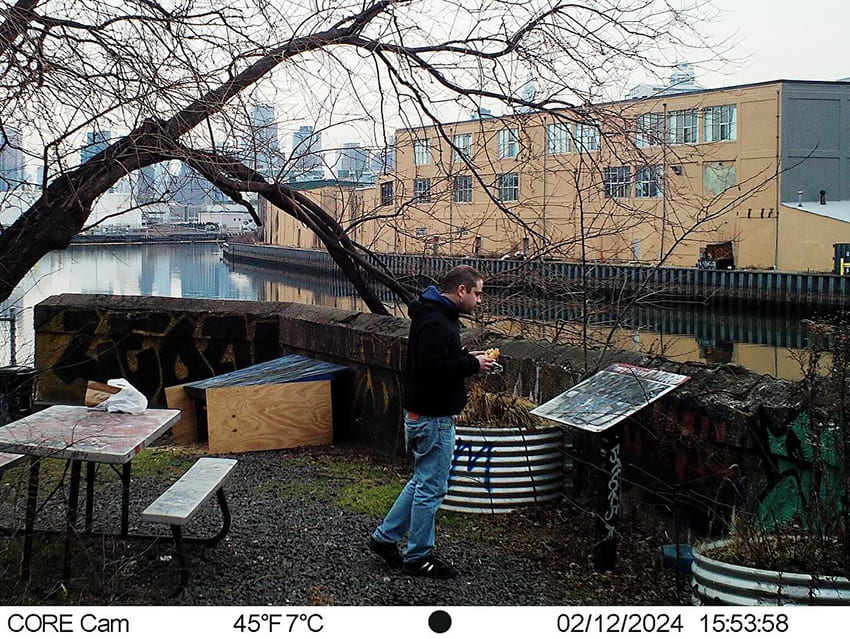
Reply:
x=784, y=39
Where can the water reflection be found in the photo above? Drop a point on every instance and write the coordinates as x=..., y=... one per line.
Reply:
x=174, y=270
x=763, y=343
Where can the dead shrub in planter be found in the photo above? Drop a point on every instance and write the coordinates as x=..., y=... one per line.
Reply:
x=486, y=409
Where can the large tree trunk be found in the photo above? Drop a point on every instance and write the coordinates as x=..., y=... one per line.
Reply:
x=65, y=205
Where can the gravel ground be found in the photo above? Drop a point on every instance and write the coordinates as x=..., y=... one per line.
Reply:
x=300, y=524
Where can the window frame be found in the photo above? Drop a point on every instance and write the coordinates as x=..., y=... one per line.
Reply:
x=649, y=129
x=422, y=190
x=508, y=140
x=558, y=136
x=649, y=177
x=709, y=124
x=461, y=150
x=504, y=191
x=422, y=152
x=677, y=123
x=588, y=133
x=387, y=193
x=618, y=182
x=466, y=189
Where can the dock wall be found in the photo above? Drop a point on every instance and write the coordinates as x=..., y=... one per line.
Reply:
x=654, y=284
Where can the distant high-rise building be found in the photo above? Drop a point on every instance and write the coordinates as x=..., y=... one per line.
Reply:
x=153, y=183
x=262, y=145
x=191, y=188
x=96, y=141
x=11, y=159
x=354, y=163
x=383, y=160
x=306, y=149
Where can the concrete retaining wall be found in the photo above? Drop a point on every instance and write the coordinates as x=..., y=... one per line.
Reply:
x=695, y=434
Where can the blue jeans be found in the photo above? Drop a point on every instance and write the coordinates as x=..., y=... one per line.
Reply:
x=432, y=440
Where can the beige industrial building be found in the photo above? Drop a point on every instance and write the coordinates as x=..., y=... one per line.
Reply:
x=763, y=168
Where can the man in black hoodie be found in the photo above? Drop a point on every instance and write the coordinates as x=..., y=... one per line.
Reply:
x=434, y=392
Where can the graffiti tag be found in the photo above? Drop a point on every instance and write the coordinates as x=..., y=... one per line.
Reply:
x=486, y=452
x=613, y=491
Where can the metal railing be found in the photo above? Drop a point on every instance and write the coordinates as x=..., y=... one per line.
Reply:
x=667, y=283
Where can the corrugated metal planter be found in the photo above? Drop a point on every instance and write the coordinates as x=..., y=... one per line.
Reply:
x=717, y=582
x=496, y=470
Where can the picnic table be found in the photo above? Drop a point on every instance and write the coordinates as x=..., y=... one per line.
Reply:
x=79, y=434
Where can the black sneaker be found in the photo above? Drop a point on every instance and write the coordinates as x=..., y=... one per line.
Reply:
x=386, y=551
x=429, y=566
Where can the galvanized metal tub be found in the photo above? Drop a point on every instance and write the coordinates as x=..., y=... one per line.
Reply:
x=717, y=582
x=495, y=470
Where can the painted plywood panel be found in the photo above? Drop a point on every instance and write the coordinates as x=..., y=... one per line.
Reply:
x=268, y=417
x=186, y=430
x=609, y=396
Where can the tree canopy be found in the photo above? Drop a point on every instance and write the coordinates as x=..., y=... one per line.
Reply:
x=176, y=79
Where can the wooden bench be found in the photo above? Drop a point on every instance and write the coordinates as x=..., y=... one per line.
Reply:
x=177, y=505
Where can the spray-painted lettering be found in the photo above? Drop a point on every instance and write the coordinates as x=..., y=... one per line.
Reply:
x=485, y=452
x=613, y=490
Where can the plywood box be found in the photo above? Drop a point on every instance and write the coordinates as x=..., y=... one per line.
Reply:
x=282, y=403
x=244, y=418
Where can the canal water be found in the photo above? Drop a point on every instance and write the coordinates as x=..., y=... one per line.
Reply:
x=763, y=343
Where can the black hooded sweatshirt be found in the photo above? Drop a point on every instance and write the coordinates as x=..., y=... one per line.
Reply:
x=436, y=363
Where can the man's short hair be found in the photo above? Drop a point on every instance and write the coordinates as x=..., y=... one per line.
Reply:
x=462, y=274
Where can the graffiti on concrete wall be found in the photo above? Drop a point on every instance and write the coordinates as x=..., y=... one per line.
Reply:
x=152, y=350
x=802, y=468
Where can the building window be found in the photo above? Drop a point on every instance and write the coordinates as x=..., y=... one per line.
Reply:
x=650, y=130
x=463, y=147
x=422, y=152
x=718, y=177
x=463, y=188
x=557, y=138
x=682, y=126
x=508, y=187
x=720, y=123
x=648, y=181
x=386, y=193
x=618, y=181
x=587, y=137
x=508, y=143
x=422, y=190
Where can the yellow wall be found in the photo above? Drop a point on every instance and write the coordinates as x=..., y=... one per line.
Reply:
x=562, y=209
x=806, y=239
x=349, y=206
x=556, y=209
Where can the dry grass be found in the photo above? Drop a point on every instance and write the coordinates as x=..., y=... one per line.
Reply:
x=487, y=409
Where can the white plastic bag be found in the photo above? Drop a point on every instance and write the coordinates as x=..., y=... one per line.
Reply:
x=127, y=400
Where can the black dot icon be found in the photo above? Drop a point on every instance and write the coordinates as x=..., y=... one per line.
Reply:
x=439, y=621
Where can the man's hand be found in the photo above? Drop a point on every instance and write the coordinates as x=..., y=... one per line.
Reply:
x=485, y=364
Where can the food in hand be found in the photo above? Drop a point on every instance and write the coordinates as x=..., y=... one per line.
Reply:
x=492, y=353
